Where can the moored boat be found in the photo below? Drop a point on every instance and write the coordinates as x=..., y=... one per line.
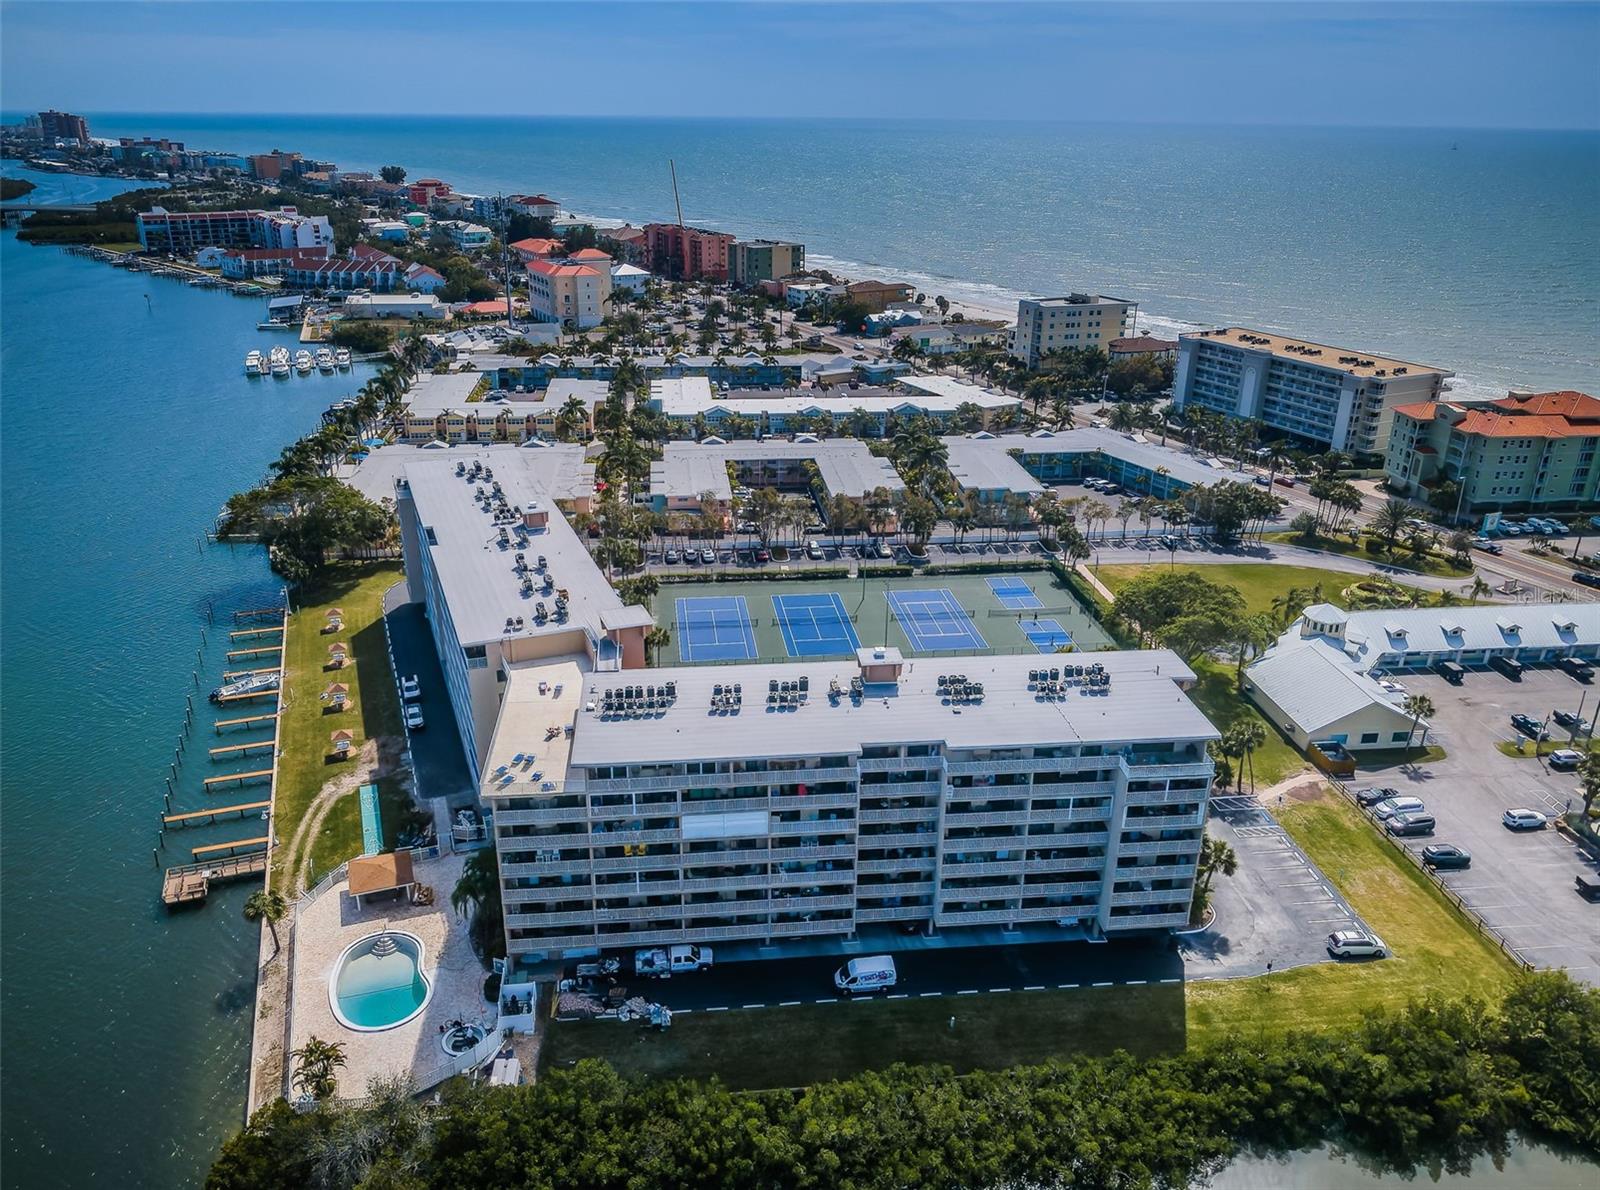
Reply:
x=341, y=357
x=252, y=363
x=280, y=361
x=324, y=359
x=254, y=684
x=302, y=361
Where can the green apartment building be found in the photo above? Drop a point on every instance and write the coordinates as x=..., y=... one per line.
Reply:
x=750, y=261
x=1528, y=452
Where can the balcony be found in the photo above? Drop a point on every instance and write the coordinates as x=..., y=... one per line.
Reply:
x=708, y=884
x=953, y=820
x=1165, y=847
x=713, y=805
x=1070, y=839
x=899, y=839
x=813, y=801
x=887, y=764
x=1010, y=867
x=794, y=879
x=983, y=917
x=1148, y=921
x=910, y=815
x=898, y=888
x=1163, y=822
x=631, y=863
x=627, y=838
x=1053, y=912
x=1073, y=814
x=979, y=892
x=563, y=814
x=1155, y=872
x=816, y=826
x=538, y=896
x=641, y=913
x=898, y=913
x=902, y=789
x=831, y=851
x=563, y=942
x=1164, y=797
x=1160, y=896
x=1074, y=888
x=1078, y=789
x=914, y=863
x=1151, y=770
x=569, y=867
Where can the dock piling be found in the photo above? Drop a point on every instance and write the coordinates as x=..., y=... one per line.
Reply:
x=168, y=780
x=155, y=855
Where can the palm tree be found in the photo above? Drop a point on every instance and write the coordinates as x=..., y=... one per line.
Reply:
x=269, y=906
x=1216, y=855
x=1419, y=707
x=315, y=1063
x=1478, y=589
x=478, y=889
x=1389, y=522
x=655, y=640
x=1251, y=634
x=1241, y=740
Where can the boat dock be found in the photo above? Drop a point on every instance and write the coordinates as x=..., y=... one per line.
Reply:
x=221, y=723
x=256, y=775
x=254, y=652
x=248, y=633
x=189, y=883
x=241, y=749
x=208, y=816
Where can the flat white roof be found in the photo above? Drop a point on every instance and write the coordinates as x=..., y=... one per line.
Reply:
x=436, y=392
x=845, y=466
x=990, y=463
x=1143, y=705
x=951, y=392
x=557, y=469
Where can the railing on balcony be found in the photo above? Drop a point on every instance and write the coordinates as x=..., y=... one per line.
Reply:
x=914, y=863
x=989, y=868
x=902, y=789
x=1072, y=888
x=813, y=851
x=641, y=913
x=1163, y=847
x=1147, y=921
x=897, y=913
x=815, y=826
x=813, y=801
x=906, y=814
x=978, y=892
x=1155, y=872
x=558, y=892
x=1073, y=814
x=898, y=888
x=954, y=819
x=1103, y=789
x=1160, y=896
x=980, y=917
x=1164, y=797
x=563, y=942
x=1164, y=822
x=1146, y=769
x=898, y=839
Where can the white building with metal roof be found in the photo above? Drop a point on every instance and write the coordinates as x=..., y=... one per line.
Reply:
x=693, y=476
x=832, y=800
x=993, y=465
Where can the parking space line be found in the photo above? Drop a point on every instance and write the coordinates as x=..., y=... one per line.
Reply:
x=675, y=1012
x=1038, y=987
x=968, y=992
x=1105, y=984
x=1134, y=982
x=788, y=1003
x=929, y=995
x=722, y=1009
x=1322, y=921
x=899, y=996
x=999, y=989
x=752, y=1006
x=1318, y=901
x=1065, y=986
x=831, y=1001
x=1174, y=980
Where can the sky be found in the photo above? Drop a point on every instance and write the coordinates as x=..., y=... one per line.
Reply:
x=1433, y=64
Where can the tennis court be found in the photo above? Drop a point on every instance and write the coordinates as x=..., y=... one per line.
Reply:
x=715, y=628
x=1046, y=635
x=933, y=620
x=815, y=625
x=1014, y=594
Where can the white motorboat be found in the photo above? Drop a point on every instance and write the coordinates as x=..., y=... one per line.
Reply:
x=252, y=363
x=264, y=366
x=254, y=684
x=279, y=359
x=303, y=362
x=341, y=357
x=324, y=359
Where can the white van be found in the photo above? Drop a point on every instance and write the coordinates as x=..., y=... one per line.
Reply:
x=873, y=974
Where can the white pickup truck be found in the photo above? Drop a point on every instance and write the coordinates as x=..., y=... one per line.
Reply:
x=661, y=962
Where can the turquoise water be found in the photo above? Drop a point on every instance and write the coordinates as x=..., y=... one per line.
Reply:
x=380, y=991
x=126, y=425
x=69, y=189
x=1483, y=257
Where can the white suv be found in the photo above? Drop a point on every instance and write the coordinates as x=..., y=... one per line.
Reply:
x=1345, y=944
x=410, y=689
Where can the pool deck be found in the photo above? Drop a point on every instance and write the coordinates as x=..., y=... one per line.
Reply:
x=325, y=926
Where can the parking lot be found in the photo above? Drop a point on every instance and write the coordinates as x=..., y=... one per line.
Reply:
x=437, y=759
x=1520, y=883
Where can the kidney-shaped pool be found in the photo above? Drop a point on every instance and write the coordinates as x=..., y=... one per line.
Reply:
x=378, y=982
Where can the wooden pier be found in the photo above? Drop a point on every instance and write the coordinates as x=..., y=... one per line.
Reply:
x=221, y=723
x=248, y=633
x=255, y=652
x=226, y=698
x=230, y=675
x=260, y=613
x=256, y=775
x=209, y=815
x=189, y=883
x=230, y=848
x=229, y=749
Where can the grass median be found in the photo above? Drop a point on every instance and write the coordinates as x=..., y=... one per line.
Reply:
x=305, y=765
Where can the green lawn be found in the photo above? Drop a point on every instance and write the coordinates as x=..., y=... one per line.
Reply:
x=304, y=765
x=1519, y=750
x=1433, y=563
x=1217, y=694
x=1259, y=582
x=1435, y=947
x=779, y=1047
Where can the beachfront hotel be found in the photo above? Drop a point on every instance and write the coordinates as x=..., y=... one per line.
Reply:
x=765, y=808
x=1527, y=452
x=1077, y=320
x=1327, y=398
x=687, y=253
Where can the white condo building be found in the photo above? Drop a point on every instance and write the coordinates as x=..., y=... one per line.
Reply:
x=1331, y=398
x=1077, y=320
x=765, y=804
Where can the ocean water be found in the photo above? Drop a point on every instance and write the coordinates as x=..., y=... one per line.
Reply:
x=1474, y=251
x=127, y=422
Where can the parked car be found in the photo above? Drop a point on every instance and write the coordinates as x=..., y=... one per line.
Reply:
x=1529, y=726
x=414, y=720
x=1523, y=819
x=1284, y=481
x=883, y=549
x=1451, y=671
x=670, y=557
x=1565, y=759
x=663, y=962
x=1446, y=855
x=1570, y=721
x=763, y=556
x=813, y=551
x=1348, y=944
x=410, y=689
x=1577, y=667
x=1487, y=546
x=1389, y=807
x=1402, y=825
x=1372, y=796
x=1510, y=666
x=708, y=555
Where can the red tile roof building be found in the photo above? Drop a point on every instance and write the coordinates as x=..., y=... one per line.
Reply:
x=1526, y=451
x=1142, y=345
x=687, y=253
x=537, y=248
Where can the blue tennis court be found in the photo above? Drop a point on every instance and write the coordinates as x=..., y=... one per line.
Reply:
x=1045, y=635
x=933, y=620
x=1014, y=594
x=715, y=628
x=815, y=625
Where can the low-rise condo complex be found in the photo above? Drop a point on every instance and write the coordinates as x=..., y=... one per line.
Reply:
x=1327, y=398
x=1527, y=452
x=1078, y=320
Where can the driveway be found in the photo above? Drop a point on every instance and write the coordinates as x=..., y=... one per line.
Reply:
x=1521, y=884
x=436, y=753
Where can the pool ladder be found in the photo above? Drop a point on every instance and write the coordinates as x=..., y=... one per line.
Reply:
x=383, y=947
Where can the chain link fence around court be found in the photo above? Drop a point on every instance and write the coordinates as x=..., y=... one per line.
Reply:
x=1058, y=620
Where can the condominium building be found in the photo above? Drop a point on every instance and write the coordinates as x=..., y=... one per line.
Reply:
x=1077, y=320
x=503, y=576
x=687, y=253
x=574, y=292
x=55, y=125
x=765, y=804
x=1328, y=398
x=185, y=232
x=1527, y=452
x=465, y=236
x=698, y=477
x=750, y=261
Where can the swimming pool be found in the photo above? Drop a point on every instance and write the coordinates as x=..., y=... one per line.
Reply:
x=378, y=982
